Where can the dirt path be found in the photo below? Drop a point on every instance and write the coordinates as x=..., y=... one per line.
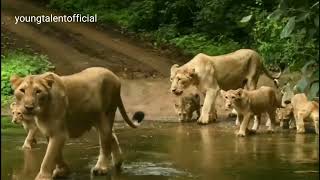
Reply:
x=72, y=47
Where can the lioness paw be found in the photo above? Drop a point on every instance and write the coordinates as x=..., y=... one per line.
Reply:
x=98, y=171
x=203, y=120
x=300, y=130
x=27, y=146
x=241, y=134
x=61, y=172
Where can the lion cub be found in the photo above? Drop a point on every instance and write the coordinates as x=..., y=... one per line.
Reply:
x=186, y=105
x=27, y=123
x=285, y=117
x=250, y=103
x=304, y=110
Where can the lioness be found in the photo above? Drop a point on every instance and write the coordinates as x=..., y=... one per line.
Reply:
x=186, y=105
x=68, y=106
x=304, y=110
x=240, y=69
x=28, y=124
x=250, y=103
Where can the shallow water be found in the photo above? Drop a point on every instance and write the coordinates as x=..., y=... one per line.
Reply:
x=161, y=151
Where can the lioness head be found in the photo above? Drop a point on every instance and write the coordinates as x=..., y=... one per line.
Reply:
x=31, y=92
x=181, y=78
x=232, y=97
x=182, y=108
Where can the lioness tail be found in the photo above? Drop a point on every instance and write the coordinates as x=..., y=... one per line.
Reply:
x=138, y=116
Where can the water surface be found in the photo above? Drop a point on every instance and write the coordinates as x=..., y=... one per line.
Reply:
x=161, y=151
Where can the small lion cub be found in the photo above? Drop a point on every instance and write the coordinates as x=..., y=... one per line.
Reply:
x=285, y=117
x=255, y=102
x=304, y=110
x=27, y=123
x=186, y=105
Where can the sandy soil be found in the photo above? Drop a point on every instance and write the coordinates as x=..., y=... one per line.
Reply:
x=72, y=47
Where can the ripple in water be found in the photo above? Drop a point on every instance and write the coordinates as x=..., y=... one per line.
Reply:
x=154, y=169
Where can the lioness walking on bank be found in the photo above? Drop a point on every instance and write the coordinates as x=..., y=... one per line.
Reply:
x=240, y=69
x=69, y=106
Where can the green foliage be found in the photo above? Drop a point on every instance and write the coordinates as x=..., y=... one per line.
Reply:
x=287, y=35
x=309, y=82
x=283, y=31
x=196, y=43
x=21, y=64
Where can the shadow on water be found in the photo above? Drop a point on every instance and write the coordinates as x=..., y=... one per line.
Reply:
x=161, y=151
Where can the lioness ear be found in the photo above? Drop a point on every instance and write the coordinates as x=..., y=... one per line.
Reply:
x=191, y=72
x=49, y=80
x=12, y=105
x=174, y=68
x=15, y=81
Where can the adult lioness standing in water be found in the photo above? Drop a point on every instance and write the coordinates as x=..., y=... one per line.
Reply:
x=68, y=106
x=239, y=69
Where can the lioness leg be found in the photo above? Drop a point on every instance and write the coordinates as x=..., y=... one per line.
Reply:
x=299, y=116
x=198, y=114
x=244, y=124
x=272, y=117
x=116, y=152
x=30, y=139
x=105, y=140
x=315, y=118
x=256, y=122
x=55, y=145
x=61, y=169
x=208, y=109
x=237, y=120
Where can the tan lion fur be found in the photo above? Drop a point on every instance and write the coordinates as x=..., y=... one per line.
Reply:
x=303, y=110
x=250, y=103
x=28, y=124
x=186, y=105
x=239, y=69
x=69, y=106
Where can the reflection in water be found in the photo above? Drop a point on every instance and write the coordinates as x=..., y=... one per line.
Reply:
x=161, y=151
x=31, y=163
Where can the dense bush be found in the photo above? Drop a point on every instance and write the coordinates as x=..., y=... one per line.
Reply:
x=284, y=31
x=21, y=64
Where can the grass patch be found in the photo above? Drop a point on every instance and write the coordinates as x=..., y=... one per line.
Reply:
x=22, y=64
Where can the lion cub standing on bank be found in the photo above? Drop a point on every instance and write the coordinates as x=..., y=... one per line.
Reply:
x=186, y=105
x=28, y=124
x=303, y=110
x=250, y=103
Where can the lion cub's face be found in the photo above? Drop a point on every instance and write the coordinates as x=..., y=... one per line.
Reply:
x=17, y=115
x=31, y=92
x=232, y=97
x=181, y=79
